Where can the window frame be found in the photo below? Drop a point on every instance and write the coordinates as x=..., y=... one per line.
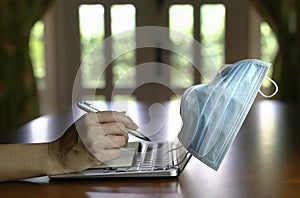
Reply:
x=62, y=41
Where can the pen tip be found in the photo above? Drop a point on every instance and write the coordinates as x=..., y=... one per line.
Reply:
x=147, y=139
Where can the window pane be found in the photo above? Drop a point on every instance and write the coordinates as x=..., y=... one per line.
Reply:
x=269, y=48
x=94, y=97
x=37, y=53
x=212, y=30
x=181, y=20
x=123, y=98
x=123, y=19
x=268, y=42
x=91, y=24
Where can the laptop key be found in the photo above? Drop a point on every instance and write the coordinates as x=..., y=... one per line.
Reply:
x=106, y=170
x=121, y=169
x=158, y=168
x=133, y=168
x=167, y=167
x=146, y=168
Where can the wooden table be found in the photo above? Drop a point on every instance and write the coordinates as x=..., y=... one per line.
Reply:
x=264, y=160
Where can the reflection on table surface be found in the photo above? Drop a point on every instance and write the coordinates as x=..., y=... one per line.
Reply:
x=263, y=161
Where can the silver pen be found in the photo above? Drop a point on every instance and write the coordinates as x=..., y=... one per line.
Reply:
x=90, y=108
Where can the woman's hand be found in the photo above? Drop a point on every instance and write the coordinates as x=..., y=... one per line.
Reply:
x=93, y=138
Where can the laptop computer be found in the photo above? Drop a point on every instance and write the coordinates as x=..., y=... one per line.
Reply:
x=150, y=160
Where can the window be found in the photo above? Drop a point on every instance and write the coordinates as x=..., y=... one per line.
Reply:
x=37, y=54
x=92, y=19
x=124, y=64
x=91, y=26
x=268, y=43
x=268, y=49
x=213, y=36
x=181, y=19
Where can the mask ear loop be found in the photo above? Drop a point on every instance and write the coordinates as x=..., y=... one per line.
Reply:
x=274, y=93
x=186, y=155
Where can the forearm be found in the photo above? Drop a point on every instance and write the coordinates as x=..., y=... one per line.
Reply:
x=20, y=161
x=103, y=132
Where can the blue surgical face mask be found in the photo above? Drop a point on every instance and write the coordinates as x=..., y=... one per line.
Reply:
x=213, y=113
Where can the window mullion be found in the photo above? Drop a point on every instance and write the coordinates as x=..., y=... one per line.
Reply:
x=108, y=53
x=197, y=49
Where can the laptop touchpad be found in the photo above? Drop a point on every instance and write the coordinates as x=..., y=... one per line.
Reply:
x=126, y=158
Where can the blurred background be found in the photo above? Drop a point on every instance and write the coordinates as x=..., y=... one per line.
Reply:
x=43, y=43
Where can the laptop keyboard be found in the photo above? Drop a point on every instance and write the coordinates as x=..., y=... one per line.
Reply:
x=156, y=157
x=151, y=157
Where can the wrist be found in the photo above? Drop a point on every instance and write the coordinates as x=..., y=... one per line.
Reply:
x=53, y=164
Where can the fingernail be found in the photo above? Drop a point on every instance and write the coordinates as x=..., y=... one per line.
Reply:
x=135, y=125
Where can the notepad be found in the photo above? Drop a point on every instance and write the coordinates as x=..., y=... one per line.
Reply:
x=126, y=158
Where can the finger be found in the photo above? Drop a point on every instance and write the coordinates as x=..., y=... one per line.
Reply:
x=114, y=128
x=108, y=142
x=117, y=141
x=113, y=116
x=97, y=131
x=107, y=154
